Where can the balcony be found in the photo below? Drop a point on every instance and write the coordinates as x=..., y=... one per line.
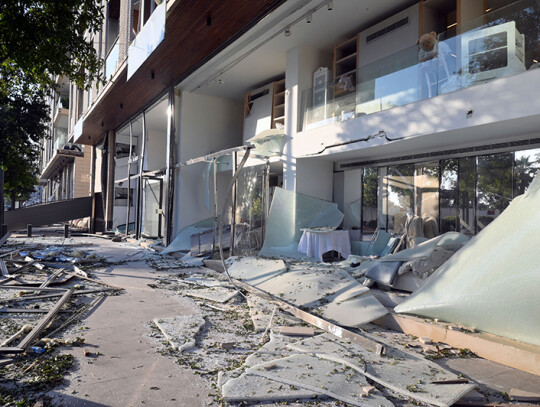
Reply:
x=500, y=44
x=61, y=112
x=111, y=62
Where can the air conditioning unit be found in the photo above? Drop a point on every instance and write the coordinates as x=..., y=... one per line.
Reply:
x=492, y=52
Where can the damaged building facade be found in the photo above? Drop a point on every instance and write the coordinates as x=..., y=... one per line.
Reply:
x=369, y=120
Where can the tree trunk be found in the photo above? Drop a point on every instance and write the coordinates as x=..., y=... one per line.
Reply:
x=13, y=197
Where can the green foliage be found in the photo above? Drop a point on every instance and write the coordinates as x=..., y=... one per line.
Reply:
x=45, y=38
x=39, y=40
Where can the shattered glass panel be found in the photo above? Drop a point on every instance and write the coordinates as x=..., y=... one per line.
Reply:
x=491, y=283
x=249, y=210
x=290, y=212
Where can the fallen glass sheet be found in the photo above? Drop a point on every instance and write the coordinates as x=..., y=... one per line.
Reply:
x=291, y=212
x=330, y=290
x=492, y=283
x=182, y=242
x=415, y=263
x=397, y=370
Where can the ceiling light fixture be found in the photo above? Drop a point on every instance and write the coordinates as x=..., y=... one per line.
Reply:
x=287, y=32
x=309, y=18
x=330, y=5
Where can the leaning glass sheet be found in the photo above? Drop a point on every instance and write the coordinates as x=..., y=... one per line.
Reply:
x=492, y=283
x=291, y=212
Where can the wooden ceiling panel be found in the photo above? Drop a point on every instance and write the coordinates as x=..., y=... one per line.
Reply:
x=189, y=42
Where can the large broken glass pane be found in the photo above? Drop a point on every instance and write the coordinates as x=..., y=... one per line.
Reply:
x=249, y=210
x=491, y=283
x=290, y=212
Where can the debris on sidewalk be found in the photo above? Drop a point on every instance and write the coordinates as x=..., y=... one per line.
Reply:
x=46, y=290
x=180, y=331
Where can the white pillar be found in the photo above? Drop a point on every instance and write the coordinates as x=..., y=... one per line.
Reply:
x=301, y=63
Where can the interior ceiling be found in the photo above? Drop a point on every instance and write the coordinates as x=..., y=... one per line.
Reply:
x=327, y=28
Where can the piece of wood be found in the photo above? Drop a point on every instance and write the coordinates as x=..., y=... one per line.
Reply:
x=329, y=327
x=30, y=288
x=44, y=297
x=23, y=330
x=511, y=353
x=51, y=278
x=8, y=253
x=3, y=268
x=42, y=324
x=11, y=350
x=24, y=311
x=5, y=238
x=297, y=331
x=522, y=395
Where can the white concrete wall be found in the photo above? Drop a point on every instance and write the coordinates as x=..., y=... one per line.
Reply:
x=352, y=193
x=315, y=178
x=503, y=109
x=206, y=125
x=301, y=63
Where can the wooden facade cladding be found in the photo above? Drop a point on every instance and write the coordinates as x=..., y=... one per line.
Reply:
x=195, y=31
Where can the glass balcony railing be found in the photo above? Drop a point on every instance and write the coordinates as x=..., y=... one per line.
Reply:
x=499, y=44
x=60, y=138
x=111, y=61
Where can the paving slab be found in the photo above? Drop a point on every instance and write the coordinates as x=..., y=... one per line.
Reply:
x=180, y=331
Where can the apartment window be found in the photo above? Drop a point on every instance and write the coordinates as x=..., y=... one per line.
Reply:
x=141, y=12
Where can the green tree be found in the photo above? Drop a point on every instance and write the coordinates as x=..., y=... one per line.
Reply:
x=39, y=40
x=46, y=38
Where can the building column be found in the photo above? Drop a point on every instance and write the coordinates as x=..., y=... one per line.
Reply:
x=109, y=195
x=170, y=170
x=301, y=62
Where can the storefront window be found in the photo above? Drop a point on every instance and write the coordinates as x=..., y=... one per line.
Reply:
x=494, y=187
x=448, y=210
x=400, y=189
x=427, y=190
x=526, y=165
x=467, y=195
x=370, y=198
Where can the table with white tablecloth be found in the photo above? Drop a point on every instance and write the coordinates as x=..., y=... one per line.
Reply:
x=316, y=242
